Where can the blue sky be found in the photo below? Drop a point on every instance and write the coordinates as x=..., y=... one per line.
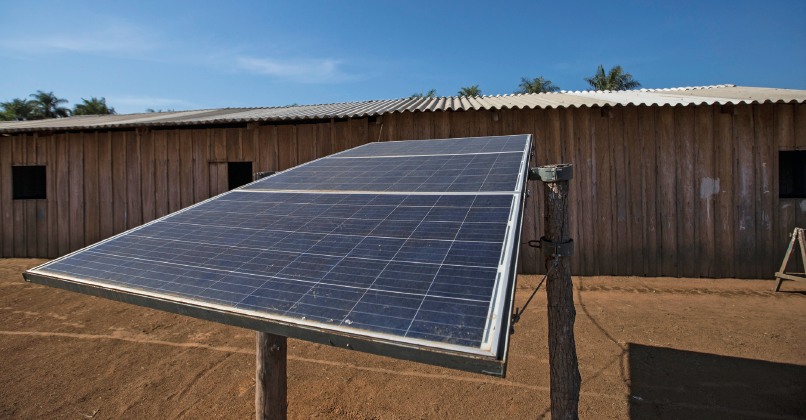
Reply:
x=205, y=54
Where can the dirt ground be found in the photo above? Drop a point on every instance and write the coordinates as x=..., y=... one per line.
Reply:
x=648, y=348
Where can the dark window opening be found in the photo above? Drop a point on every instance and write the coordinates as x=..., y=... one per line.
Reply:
x=792, y=174
x=239, y=173
x=28, y=182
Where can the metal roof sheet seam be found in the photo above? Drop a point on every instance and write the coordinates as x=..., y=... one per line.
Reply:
x=696, y=95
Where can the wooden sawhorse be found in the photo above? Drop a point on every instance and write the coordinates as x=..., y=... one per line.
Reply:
x=797, y=235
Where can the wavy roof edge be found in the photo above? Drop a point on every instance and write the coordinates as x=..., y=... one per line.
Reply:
x=697, y=95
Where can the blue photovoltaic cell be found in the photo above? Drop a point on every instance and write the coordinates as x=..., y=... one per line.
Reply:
x=406, y=264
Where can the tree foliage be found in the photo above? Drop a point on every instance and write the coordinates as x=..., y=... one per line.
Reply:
x=94, y=106
x=470, y=91
x=430, y=94
x=615, y=79
x=17, y=110
x=47, y=105
x=536, y=85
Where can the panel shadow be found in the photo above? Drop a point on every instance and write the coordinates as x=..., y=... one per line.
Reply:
x=676, y=384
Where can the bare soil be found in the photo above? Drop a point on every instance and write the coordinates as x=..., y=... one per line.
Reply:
x=656, y=348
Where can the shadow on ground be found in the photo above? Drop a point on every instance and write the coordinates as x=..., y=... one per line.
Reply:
x=676, y=384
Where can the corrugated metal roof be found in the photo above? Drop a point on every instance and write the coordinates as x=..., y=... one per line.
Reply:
x=721, y=94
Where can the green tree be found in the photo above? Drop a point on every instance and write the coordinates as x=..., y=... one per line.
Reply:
x=94, y=106
x=616, y=79
x=430, y=94
x=536, y=85
x=17, y=110
x=470, y=91
x=48, y=105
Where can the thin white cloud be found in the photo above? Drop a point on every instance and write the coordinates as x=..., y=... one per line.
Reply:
x=117, y=38
x=120, y=38
x=299, y=70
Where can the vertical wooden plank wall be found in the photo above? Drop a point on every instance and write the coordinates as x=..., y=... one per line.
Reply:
x=76, y=190
x=105, y=186
x=621, y=190
x=658, y=191
x=91, y=180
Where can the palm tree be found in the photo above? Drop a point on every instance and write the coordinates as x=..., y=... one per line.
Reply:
x=616, y=79
x=430, y=94
x=17, y=110
x=470, y=91
x=47, y=105
x=94, y=106
x=536, y=85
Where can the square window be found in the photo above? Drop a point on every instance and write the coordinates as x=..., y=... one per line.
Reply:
x=239, y=173
x=792, y=174
x=29, y=182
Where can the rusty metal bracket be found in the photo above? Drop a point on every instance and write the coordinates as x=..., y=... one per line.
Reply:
x=552, y=173
x=557, y=250
x=261, y=175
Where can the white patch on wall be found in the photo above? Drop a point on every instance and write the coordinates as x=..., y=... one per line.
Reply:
x=803, y=205
x=708, y=188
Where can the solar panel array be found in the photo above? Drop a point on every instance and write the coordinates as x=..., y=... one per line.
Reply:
x=404, y=241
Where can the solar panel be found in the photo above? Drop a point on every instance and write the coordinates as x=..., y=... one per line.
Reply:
x=405, y=249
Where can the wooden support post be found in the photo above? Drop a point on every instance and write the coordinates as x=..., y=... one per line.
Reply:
x=271, y=399
x=564, y=367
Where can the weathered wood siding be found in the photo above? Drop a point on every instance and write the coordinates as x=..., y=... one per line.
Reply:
x=658, y=191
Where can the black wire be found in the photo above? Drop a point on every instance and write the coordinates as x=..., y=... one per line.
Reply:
x=518, y=312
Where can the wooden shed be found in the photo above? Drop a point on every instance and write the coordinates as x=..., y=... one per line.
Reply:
x=693, y=182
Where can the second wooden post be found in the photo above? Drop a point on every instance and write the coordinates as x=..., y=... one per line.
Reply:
x=557, y=248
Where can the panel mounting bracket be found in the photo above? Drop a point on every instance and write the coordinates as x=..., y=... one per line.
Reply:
x=557, y=250
x=552, y=173
x=261, y=175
